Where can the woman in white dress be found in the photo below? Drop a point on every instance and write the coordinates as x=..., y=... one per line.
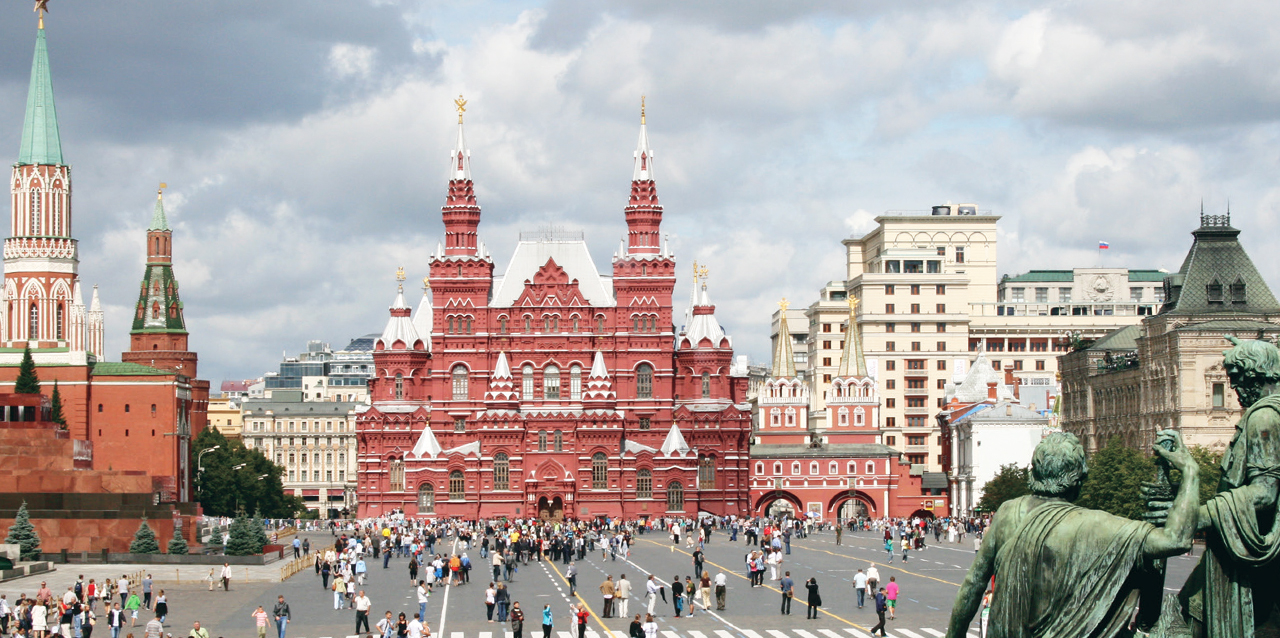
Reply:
x=39, y=620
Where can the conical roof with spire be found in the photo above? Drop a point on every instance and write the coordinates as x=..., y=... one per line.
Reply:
x=399, y=326
x=159, y=308
x=158, y=219
x=41, y=143
x=784, y=360
x=852, y=363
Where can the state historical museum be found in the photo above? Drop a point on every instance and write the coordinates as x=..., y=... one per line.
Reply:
x=551, y=390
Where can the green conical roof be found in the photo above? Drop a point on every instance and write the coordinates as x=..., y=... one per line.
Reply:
x=40, y=141
x=158, y=221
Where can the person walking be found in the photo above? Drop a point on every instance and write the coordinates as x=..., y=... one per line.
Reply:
x=546, y=621
x=891, y=597
x=260, y=621
x=386, y=626
x=517, y=620
x=162, y=606
x=416, y=628
x=880, y=609
x=115, y=620
x=339, y=591
x=122, y=586
x=721, y=586
x=607, y=590
x=281, y=612
x=788, y=590
x=402, y=626
x=839, y=533
x=226, y=577
x=650, y=627
x=424, y=595
x=860, y=586
x=677, y=594
x=704, y=589
x=154, y=628
x=815, y=600
x=622, y=595
x=651, y=592
x=888, y=548
x=490, y=601
x=363, y=604
x=690, y=591
x=146, y=591
x=873, y=581
x=503, y=600
x=572, y=574
x=132, y=605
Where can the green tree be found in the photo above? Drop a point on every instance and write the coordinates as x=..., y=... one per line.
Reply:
x=1116, y=472
x=144, y=542
x=1210, y=463
x=241, y=540
x=215, y=540
x=23, y=534
x=177, y=545
x=55, y=407
x=1009, y=483
x=259, y=531
x=28, y=382
x=223, y=491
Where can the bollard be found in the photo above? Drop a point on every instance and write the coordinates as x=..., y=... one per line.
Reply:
x=177, y=575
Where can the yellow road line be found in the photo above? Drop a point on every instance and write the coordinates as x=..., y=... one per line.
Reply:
x=573, y=623
x=735, y=573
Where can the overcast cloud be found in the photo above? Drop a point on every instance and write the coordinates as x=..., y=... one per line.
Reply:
x=305, y=143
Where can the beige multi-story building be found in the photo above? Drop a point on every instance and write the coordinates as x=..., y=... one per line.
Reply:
x=313, y=441
x=224, y=414
x=929, y=295
x=1167, y=371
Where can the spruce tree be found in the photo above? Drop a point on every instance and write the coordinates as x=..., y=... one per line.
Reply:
x=215, y=541
x=144, y=542
x=259, y=532
x=23, y=534
x=178, y=545
x=55, y=407
x=240, y=539
x=28, y=382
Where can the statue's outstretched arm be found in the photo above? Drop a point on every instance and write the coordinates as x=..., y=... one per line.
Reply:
x=1180, y=526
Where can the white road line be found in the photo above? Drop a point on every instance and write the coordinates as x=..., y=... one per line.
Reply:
x=671, y=634
x=909, y=634
x=592, y=634
x=750, y=634
x=563, y=634
x=444, y=608
x=829, y=634
x=804, y=634
x=932, y=632
x=486, y=634
x=856, y=633
x=697, y=634
x=724, y=634
x=776, y=634
x=456, y=634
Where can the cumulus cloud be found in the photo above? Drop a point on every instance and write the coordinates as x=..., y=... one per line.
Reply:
x=306, y=148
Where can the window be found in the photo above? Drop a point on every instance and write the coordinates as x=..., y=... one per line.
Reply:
x=915, y=326
x=575, y=382
x=33, y=324
x=644, y=484
x=942, y=384
x=813, y=468
x=890, y=327
x=396, y=474
x=399, y=386
x=915, y=402
x=1219, y=395
x=1039, y=364
x=916, y=439
x=1064, y=295
x=917, y=459
x=644, y=381
x=645, y=424
x=706, y=473
x=1017, y=364
x=940, y=289
x=893, y=266
x=888, y=309
x=826, y=361
x=915, y=308
x=942, y=346
x=890, y=403
x=915, y=384
x=528, y=323
x=599, y=471
x=551, y=382
x=826, y=327
x=1237, y=292
x=891, y=422
x=1042, y=295
x=426, y=498
x=526, y=382
x=1017, y=295
x=915, y=346
x=459, y=424
x=959, y=254
x=795, y=468
x=542, y=441
x=1135, y=294
x=915, y=421
x=501, y=472
x=1214, y=290
x=890, y=365
x=890, y=346
x=915, y=289
x=913, y=266
x=888, y=289
x=559, y=441
x=890, y=384
x=459, y=382
x=933, y=266
x=941, y=309
x=675, y=497
x=502, y=324
x=457, y=486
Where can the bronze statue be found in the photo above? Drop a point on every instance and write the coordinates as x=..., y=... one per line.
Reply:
x=1063, y=571
x=1235, y=589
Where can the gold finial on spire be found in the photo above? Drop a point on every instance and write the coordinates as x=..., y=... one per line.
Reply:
x=41, y=7
x=695, y=269
x=426, y=284
x=702, y=272
x=400, y=278
x=853, y=304
x=461, y=104
x=160, y=191
x=641, y=104
x=783, y=304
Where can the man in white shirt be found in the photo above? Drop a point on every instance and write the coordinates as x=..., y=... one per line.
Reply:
x=722, y=584
x=226, y=577
x=860, y=586
x=122, y=586
x=651, y=590
x=417, y=629
x=362, y=611
x=622, y=594
x=423, y=596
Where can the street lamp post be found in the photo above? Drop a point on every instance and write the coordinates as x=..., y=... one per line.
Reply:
x=200, y=458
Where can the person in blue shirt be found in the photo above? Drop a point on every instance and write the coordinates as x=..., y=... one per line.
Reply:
x=546, y=621
x=361, y=570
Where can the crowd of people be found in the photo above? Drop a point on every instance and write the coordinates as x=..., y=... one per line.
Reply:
x=75, y=613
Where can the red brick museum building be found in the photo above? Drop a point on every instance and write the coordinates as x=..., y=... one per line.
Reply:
x=551, y=389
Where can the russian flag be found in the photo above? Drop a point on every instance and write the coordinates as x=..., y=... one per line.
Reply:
x=1102, y=245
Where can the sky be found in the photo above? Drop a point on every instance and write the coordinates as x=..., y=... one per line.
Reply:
x=305, y=142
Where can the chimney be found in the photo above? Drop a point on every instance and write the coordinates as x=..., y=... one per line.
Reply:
x=1010, y=382
x=991, y=390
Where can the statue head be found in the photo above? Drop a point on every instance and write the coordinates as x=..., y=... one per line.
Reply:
x=1251, y=365
x=1058, y=467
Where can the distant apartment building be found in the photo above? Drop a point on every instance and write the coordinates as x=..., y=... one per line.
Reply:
x=314, y=441
x=929, y=295
x=322, y=374
x=224, y=415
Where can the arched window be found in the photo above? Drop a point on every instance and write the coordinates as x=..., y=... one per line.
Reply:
x=759, y=468
x=502, y=324
x=551, y=382
x=459, y=382
x=853, y=467
x=844, y=416
x=791, y=416
x=675, y=497
x=706, y=385
x=871, y=467
x=575, y=323
x=575, y=382
x=57, y=325
x=795, y=468
x=399, y=386
x=501, y=472
x=777, y=468
x=775, y=417
x=859, y=416
x=706, y=473
x=396, y=474
x=834, y=468
x=559, y=441
x=599, y=323
x=426, y=498
x=33, y=323
x=644, y=381
x=813, y=468
x=644, y=484
x=599, y=471
x=528, y=323
x=526, y=382
x=35, y=211
x=457, y=486
x=542, y=441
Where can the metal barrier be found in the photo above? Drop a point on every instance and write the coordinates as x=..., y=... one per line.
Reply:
x=295, y=566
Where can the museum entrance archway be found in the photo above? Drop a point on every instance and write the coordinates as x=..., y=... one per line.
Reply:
x=551, y=509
